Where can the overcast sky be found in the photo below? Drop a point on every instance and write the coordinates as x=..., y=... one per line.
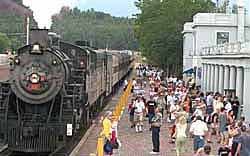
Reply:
x=43, y=9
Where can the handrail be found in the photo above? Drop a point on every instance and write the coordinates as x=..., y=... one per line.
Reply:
x=117, y=113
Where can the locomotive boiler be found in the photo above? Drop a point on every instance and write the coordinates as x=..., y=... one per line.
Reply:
x=54, y=90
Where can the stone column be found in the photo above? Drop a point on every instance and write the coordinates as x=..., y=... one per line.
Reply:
x=221, y=79
x=205, y=77
x=246, y=94
x=216, y=78
x=212, y=78
x=203, y=82
x=239, y=84
x=232, y=84
x=209, y=78
x=226, y=77
x=202, y=77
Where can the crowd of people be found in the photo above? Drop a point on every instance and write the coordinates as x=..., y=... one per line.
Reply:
x=189, y=113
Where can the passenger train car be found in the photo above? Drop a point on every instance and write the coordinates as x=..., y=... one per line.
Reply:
x=54, y=91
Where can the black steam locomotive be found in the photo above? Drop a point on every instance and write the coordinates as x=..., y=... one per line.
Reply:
x=54, y=90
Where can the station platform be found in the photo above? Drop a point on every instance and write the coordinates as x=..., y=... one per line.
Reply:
x=132, y=143
x=88, y=143
x=140, y=144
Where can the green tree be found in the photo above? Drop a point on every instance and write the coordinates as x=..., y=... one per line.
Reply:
x=13, y=24
x=101, y=29
x=4, y=42
x=159, y=26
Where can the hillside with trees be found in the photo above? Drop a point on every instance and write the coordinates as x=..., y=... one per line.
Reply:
x=12, y=24
x=159, y=26
x=100, y=29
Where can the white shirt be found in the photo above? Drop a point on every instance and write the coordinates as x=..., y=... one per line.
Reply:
x=125, y=83
x=175, y=80
x=172, y=109
x=139, y=106
x=198, y=128
x=210, y=100
x=170, y=100
x=134, y=82
x=228, y=106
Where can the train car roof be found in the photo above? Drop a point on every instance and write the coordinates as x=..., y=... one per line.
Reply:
x=86, y=50
x=103, y=51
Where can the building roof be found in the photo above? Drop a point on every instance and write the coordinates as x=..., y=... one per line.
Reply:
x=213, y=19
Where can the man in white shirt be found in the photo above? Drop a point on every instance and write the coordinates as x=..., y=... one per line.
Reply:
x=228, y=105
x=139, y=108
x=171, y=99
x=170, y=102
x=210, y=101
x=199, y=130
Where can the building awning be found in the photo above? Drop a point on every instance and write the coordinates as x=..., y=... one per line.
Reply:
x=188, y=71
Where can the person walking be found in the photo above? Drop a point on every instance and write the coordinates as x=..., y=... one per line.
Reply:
x=235, y=107
x=243, y=148
x=151, y=105
x=107, y=125
x=235, y=133
x=199, y=129
x=223, y=126
x=156, y=125
x=209, y=103
x=181, y=136
x=139, y=108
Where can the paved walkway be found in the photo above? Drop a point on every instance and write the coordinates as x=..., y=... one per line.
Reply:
x=89, y=146
x=140, y=144
x=135, y=144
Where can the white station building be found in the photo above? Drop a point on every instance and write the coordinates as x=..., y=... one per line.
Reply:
x=216, y=49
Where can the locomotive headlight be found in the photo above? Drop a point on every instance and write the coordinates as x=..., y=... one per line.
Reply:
x=54, y=62
x=34, y=78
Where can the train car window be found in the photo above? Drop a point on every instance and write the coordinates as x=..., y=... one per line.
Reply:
x=54, y=39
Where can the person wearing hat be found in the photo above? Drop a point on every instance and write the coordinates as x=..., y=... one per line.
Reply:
x=198, y=129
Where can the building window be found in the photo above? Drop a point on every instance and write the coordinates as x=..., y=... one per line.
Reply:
x=222, y=37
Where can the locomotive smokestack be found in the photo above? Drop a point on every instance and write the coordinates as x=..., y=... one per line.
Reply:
x=39, y=36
